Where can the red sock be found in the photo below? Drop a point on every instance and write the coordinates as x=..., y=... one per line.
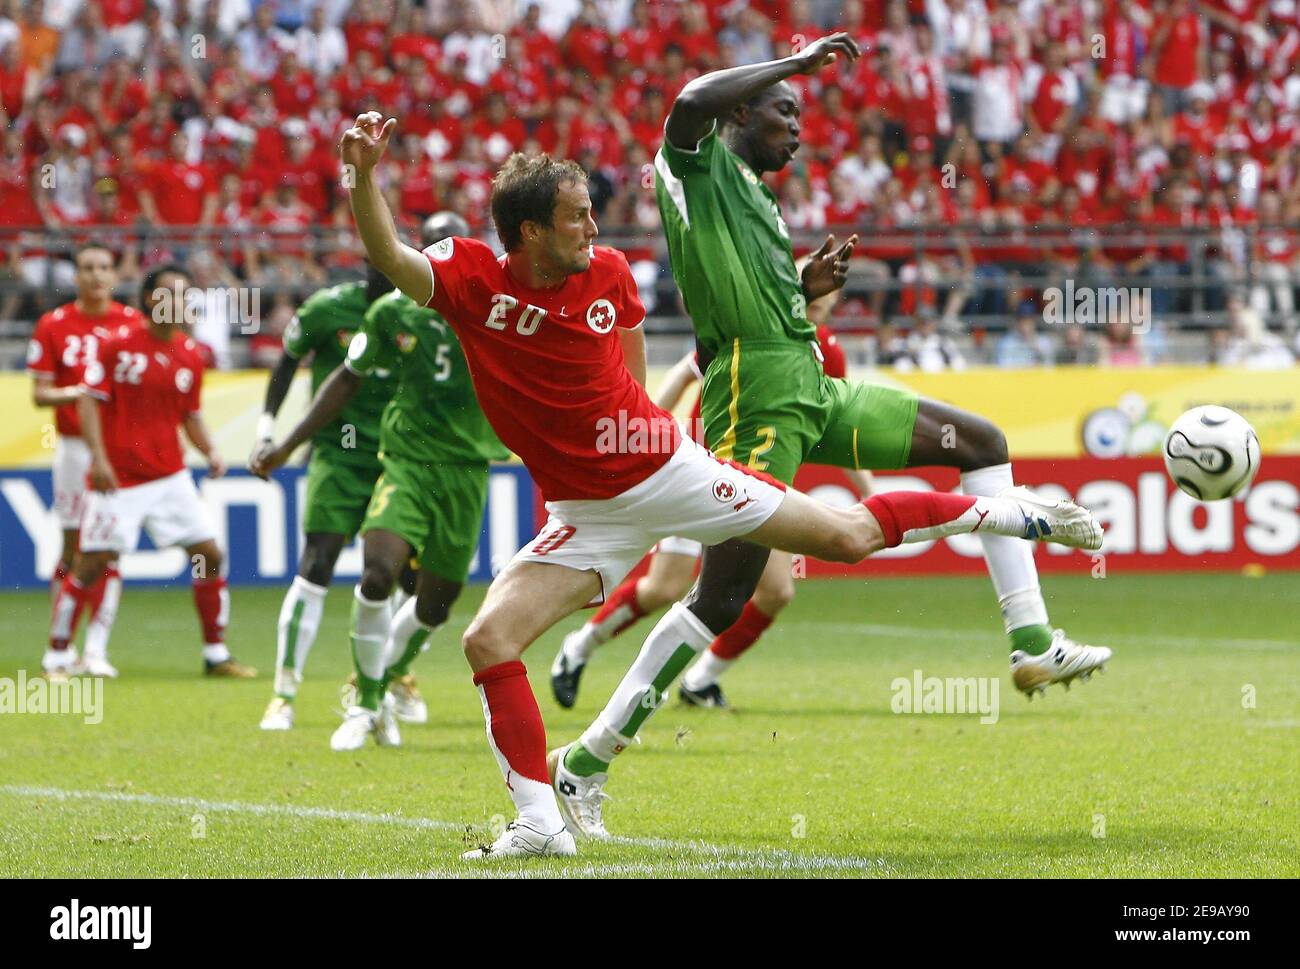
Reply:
x=624, y=597
x=742, y=634
x=68, y=605
x=514, y=721
x=213, y=604
x=56, y=581
x=902, y=511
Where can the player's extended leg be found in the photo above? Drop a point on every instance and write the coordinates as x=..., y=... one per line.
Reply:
x=522, y=603
x=67, y=557
x=775, y=591
x=667, y=580
x=408, y=636
x=300, y=616
x=384, y=553
x=105, y=596
x=948, y=436
x=730, y=575
x=212, y=602
x=72, y=599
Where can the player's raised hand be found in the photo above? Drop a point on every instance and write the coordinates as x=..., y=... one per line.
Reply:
x=826, y=50
x=366, y=141
x=827, y=268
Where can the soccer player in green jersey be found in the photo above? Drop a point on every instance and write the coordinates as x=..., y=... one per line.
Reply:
x=765, y=401
x=435, y=447
x=340, y=474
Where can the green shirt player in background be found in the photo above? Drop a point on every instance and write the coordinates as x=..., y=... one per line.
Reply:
x=435, y=447
x=765, y=401
x=341, y=472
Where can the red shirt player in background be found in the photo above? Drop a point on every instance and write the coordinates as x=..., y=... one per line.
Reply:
x=551, y=333
x=147, y=381
x=65, y=341
x=666, y=574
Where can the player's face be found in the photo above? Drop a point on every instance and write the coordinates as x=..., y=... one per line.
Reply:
x=96, y=276
x=573, y=229
x=165, y=304
x=773, y=128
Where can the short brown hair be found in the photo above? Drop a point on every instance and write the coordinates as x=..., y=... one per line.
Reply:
x=524, y=190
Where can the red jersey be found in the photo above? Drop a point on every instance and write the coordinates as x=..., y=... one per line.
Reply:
x=148, y=387
x=548, y=368
x=65, y=342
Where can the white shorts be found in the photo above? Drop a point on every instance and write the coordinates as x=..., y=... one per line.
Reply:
x=170, y=508
x=694, y=496
x=71, y=462
x=676, y=545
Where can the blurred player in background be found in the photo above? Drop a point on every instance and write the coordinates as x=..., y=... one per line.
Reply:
x=66, y=340
x=435, y=446
x=341, y=472
x=552, y=334
x=143, y=383
x=767, y=402
x=675, y=561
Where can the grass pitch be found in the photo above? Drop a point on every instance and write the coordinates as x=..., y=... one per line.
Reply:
x=1183, y=760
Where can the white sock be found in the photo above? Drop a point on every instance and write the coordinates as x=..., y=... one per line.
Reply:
x=215, y=652
x=399, y=598
x=534, y=801
x=579, y=647
x=1010, y=561
x=300, y=616
x=407, y=635
x=101, y=623
x=705, y=671
x=370, y=622
x=673, y=643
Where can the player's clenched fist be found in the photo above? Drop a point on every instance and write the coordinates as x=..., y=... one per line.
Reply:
x=266, y=457
x=366, y=141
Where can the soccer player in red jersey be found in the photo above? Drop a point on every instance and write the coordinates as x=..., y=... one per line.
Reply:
x=147, y=380
x=551, y=333
x=65, y=341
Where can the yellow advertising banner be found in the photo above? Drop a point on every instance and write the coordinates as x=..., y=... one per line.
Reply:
x=1062, y=412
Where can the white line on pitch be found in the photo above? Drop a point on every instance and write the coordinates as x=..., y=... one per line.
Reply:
x=722, y=857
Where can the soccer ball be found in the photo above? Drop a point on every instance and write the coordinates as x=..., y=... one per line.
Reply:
x=1211, y=452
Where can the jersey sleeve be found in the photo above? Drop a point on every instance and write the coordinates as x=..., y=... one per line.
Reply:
x=631, y=312
x=682, y=162
x=42, y=355
x=450, y=261
x=303, y=334
x=372, y=345
x=192, y=399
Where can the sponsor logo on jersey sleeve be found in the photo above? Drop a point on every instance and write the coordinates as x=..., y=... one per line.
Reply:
x=34, y=352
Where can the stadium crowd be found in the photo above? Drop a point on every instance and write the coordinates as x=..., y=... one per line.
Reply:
x=986, y=149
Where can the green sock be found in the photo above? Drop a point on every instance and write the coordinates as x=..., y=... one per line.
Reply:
x=1033, y=640
x=410, y=650
x=370, y=693
x=584, y=763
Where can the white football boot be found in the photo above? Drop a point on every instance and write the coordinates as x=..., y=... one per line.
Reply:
x=408, y=705
x=581, y=798
x=59, y=664
x=278, y=715
x=1061, y=663
x=387, y=733
x=95, y=664
x=358, y=724
x=520, y=840
x=1061, y=522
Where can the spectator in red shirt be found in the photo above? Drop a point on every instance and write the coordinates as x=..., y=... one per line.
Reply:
x=1176, y=56
x=177, y=193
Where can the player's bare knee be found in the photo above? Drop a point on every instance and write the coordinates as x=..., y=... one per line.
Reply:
x=432, y=612
x=206, y=561
x=486, y=646
x=773, y=596
x=989, y=445
x=377, y=581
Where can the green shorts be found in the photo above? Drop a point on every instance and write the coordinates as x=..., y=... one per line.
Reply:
x=767, y=404
x=337, y=494
x=437, y=508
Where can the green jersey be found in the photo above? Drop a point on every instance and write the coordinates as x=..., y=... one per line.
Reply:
x=434, y=416
x=729, y=247
x=324, y=326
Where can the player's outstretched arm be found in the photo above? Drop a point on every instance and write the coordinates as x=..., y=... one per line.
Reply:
x=277, y=389
x=715, y=95
x=362, y=147
x=45, y=394
x=339, y=388
x=675, y=382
